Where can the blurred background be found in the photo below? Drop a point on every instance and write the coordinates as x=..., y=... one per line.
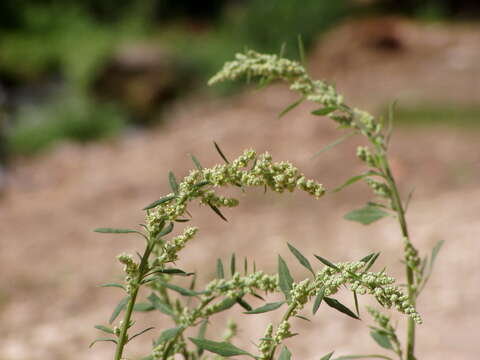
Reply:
x=99, y=99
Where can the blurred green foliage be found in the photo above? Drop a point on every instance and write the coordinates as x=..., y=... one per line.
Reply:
x=438, y=115
x=74, y=117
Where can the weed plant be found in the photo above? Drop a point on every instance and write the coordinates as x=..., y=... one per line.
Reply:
x=154, y=270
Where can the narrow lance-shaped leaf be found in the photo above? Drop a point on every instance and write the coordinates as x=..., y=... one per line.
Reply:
x=166, y=230
x=285, y=354
x=371, y=262
x=301, y=259
x=116, y=231
x=121, y=305
x=141, y=332
x=369, y=356
x=291, y=106
x=221, y=348
x=120, y=286
x=266, y=308
x=337, y=305
x=101, y=340
x=104, y=329
x=318, y=300
x=233, y=267
x=366, y=215
x=180, y=290
x=220, y=152
x=327, y=263
x=285, y=279
x=201, y=335
x=355, y=299
x=220, y=272
x=244, y=304
x=381, y=339
x=354, y=179
x=160, y=305
x=173, y=182
x=328, y=356
x=301, y=50
x=196, y=162
x=168, y=334
x=335, y=143
x=143, y=307
x=324, y=111
x=218, y=212
x=159, y=202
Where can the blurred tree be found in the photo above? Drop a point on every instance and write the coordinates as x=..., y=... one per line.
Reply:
x=445, y=8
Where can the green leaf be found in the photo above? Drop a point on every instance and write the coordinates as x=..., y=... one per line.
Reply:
x=244, y=304
x=168, y=334
x=285, y=279
x=104, y=329
x=118, y=309
x=173, y=271
x=301, y=259
x=116, y=231
x=225, y=304
x=113, y=285
x=371, y=261
x=335, y=143
x=324, y=111
x=159, y=202
x=367, y=258
x=143, y=307
x=220, y=152
x=160, y=305
x=220, y=272
x=291, y=106
x=337, y=305
x=327, y=263
x=328, y=356
x=435, y=252
x=381, y=339
x=181, y=290
x=301, y=50
x=196, y=162
x=370, y=356
x=233, y=267
x=318, y=300
x=140, y=333
x=285, y=354
x=100, y=340
x=266, y=308
x=166, y=230
x=173, y=182
x=221, y=348
x=218, y=212
x=354, y=179
x=355, y=299
x=366, y=215
x=302, y=317
x=201, y=334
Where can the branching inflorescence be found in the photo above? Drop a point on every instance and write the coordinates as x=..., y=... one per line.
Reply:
x=154, y=269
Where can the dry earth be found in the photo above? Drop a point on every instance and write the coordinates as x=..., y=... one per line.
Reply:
x=52, y=262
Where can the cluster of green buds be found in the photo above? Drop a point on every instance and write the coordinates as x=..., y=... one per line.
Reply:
x=239, y=285
x=171, y=247
x=266, y=343
x=386, y=329
x=131, y=270
x=379, y=188
x=283, y=332
x=199, y=184
x=365, y=155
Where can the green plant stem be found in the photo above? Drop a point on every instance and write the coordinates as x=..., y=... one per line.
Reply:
x=398, y=207
x=285, y=317
x=143, y=269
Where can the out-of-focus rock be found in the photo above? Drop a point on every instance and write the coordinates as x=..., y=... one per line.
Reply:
x=363, y=56
x=143, y=78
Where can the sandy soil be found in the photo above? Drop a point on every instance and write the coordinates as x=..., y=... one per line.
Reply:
x=52, y=262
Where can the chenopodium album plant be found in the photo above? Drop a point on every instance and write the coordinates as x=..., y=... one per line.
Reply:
x=192, y=308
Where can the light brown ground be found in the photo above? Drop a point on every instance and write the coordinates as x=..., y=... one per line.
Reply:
x=51, y=261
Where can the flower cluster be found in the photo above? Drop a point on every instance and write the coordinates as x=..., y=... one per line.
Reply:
x=239, y=285
x=199, y=184
x=272, y=67
x=131, y=270
x=174, y=245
